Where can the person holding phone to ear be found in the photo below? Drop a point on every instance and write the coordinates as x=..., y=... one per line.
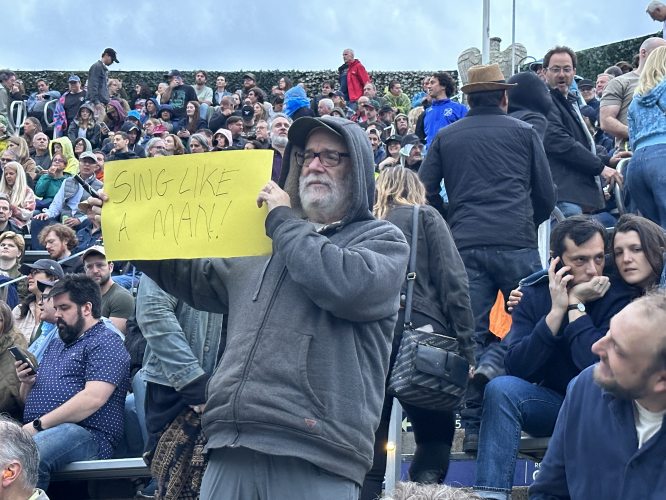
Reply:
x=560, y=316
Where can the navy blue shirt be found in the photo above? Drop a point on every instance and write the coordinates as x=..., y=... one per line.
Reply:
x=98, y=355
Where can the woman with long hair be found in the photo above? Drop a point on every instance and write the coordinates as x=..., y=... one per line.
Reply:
x=174, y=145
x=21, y=198
x=20, y=147
x=441, y=299
x=638, y=247
x=646, y=181
x=84, y=126
x=259, y=112
x=10, y=400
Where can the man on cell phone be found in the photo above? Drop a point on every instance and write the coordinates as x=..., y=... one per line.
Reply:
x=74, y=405
x=560, y=316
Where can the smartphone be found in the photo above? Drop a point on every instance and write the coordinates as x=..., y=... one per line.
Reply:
x=20, y=356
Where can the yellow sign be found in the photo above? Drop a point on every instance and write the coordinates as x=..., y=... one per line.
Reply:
x=187, y=206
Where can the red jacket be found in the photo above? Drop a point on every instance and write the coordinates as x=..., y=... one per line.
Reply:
x=357, y=77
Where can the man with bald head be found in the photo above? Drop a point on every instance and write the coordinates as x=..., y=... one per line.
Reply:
x=40, y=144
x=352, y=76
x=618, y=95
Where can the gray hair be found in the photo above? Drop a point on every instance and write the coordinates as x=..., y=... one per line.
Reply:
x=17, y=445
x=201, y=139
x=417, y=491
x=654, y=5
x=6, y=74
x=279, y=115
x=328, y=103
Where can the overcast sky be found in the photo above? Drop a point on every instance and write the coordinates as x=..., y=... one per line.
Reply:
x=309, y=35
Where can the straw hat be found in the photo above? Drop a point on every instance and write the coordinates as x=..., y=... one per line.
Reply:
x=483, y=78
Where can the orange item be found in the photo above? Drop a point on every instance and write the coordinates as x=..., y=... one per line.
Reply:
x=500, y=320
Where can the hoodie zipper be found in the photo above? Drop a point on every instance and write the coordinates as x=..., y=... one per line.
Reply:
x=254, y=348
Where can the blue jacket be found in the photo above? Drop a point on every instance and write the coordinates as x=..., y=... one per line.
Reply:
x=535, y=355
x=647, y=118
x=443, y=112
x=594, y=451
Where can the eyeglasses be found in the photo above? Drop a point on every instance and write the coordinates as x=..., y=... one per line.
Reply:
x=567, y=70
x=5, y=160
x=57, y=160
x=326, y=158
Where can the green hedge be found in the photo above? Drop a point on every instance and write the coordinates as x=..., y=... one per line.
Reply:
x=411, y=80
x=590, y=62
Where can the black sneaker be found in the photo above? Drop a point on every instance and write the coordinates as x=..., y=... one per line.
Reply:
x=147, y=491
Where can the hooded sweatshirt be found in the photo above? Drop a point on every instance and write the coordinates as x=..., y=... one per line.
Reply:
x=530, y=101
x=72, y=167
x=309, y=328
x=647, y=118
x=93, y=132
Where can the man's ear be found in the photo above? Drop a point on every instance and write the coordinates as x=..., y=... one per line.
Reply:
x=10, y=474
x=110, y=267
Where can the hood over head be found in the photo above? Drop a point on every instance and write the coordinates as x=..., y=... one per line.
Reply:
x=67, y=148
x=361, y=159
x=530, y=93
x=119, y=108
x=165, y=107
x=86, y=142
x=154, y=101
x=89, y=107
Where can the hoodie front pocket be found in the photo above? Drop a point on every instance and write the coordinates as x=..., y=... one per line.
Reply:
x=277, y=388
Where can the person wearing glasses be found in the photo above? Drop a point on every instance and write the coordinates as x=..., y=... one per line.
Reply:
x=48, y=185
x=570, y=147
x=294, y=405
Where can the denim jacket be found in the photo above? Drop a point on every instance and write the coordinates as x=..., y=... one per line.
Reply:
x=182, y=342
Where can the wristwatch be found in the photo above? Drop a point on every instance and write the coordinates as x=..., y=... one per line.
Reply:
x=576, y=307
x=37, y=424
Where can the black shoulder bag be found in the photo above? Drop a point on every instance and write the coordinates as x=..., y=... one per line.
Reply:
x=428, y=371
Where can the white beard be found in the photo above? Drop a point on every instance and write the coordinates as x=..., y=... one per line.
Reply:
x=326, y=202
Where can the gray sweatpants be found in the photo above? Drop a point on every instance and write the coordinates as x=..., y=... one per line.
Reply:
x=244, y=474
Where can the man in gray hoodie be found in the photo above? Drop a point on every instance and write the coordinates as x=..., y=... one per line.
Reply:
x=294, y=402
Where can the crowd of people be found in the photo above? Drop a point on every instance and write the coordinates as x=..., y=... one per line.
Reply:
x=278, y=365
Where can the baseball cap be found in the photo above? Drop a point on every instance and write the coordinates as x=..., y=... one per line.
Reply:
x=247, y=112
x=172, y=73
x=73, y=78
x=48, y=265
x=336, y=93
x=112, y=53
x=44, y=284
x=373, y=103
x=95, y=249
x=586, y=84
x=385, y=109
x=250, y=75
x=394, y=138
x=410, y=139
x=89, y=155
x=303, y=127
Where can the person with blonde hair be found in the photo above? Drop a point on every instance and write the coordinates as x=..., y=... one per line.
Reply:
x=20, y=148
x=441, y=299
x=22, y=199
x=646, y=182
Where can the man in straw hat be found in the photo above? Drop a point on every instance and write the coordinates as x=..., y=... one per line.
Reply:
x=500, y=189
